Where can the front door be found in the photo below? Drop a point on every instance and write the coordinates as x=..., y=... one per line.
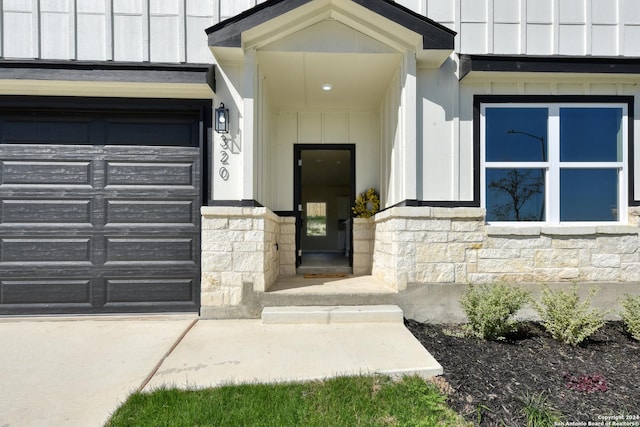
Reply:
x=325, y=187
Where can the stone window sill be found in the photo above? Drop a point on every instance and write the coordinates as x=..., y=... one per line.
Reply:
x=560, y=230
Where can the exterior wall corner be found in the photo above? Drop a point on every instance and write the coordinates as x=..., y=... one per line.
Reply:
x=240, y=245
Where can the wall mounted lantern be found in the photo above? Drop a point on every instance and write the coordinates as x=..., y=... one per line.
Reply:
x=222, y=119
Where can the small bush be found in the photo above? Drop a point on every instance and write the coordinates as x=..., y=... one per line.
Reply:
x=566, y=318
x=631, y=315
x=490, y=308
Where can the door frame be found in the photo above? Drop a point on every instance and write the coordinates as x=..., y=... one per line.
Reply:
x=297, y=189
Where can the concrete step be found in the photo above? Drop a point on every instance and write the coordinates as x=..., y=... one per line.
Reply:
x=323, y=270
x=332, y=314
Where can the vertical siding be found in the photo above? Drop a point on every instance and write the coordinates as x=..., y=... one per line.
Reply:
x=199, y=15
x=390, y=144
x=549, y=27
x=630, y=34
x=57, y=38
x=173, y=30
x=604, y=27
x=19, y=28
x=165, y=23
x=530, y=27
x=226, y=9
x=103, y=30
x=93, y=22
x=539, y=27
x=507, y=32
x=129, y=31
x=473, y=25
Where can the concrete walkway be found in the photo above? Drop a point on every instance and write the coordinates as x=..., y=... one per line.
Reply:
x=76, y=372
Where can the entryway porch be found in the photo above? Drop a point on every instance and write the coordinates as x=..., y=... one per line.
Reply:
x=327, y=286
x=342, y=291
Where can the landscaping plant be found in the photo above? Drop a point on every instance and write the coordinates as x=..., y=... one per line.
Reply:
x=566, y=318
x=587, y=383
x=631, y=315
x=490, y=309
x=538, y=412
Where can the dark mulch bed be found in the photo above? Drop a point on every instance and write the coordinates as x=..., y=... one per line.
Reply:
x=488, y=377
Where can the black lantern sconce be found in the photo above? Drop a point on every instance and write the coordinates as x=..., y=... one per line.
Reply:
x=222, y=119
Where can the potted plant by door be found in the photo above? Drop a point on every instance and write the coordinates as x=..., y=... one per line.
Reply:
x=367, y=204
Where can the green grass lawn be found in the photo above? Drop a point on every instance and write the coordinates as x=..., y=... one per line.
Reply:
x=346, y=401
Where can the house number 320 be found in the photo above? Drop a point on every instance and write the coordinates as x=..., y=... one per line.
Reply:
x=224, y=160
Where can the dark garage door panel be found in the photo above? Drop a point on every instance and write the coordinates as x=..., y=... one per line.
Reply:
x=100, y=228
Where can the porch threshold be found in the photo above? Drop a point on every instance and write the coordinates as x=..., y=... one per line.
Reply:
x=349, y=285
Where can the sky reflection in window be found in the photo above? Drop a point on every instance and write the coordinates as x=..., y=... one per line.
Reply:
x=516, y=134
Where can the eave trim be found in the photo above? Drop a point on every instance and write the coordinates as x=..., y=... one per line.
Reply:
x=108, y=72
x=548, y=64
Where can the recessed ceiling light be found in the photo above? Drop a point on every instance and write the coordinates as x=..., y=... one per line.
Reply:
x=327, y=86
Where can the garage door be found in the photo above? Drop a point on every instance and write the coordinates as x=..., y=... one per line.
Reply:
x=99, y=211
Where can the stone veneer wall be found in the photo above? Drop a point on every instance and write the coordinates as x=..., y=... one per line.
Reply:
x=363, y=238
x=239, y=245
x=287, y=246
x=453, y=245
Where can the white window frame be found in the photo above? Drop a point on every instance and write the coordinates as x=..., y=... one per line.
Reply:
x=553, y=165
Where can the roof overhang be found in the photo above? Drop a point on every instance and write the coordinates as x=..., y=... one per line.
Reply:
x=484, y=65
x=86, y=78
x=383, y=20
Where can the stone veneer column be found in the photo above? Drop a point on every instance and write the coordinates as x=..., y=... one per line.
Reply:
x=287, y=246
x=426, y=244
x=363, y=232
x=239, y=245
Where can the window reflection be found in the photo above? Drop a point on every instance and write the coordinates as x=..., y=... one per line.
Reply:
x=590, y=134
x=567, y=156
x=589, y=195
x=515, y=194
x=516, y=134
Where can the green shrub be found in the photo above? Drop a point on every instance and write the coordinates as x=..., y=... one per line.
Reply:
x=538, y=412
x=490, y=308
x=566, y=318
x=631, y=315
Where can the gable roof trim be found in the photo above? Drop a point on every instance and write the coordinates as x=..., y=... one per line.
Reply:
x=228, y=33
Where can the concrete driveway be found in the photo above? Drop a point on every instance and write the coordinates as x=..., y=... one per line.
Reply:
x=76, y=372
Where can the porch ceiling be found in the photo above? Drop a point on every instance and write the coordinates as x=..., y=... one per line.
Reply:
x=295, y=79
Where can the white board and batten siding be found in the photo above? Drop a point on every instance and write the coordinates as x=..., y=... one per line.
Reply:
x=173, y=30
x=538, y=27
x=313, y=127
x=550, y=27
x=531, y=27
x=161, y=31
